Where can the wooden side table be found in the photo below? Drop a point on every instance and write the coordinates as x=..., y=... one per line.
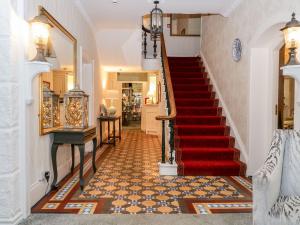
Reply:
x=109, y=119
x=74, y=137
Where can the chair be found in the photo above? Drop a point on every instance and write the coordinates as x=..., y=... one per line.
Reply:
x=276, y=186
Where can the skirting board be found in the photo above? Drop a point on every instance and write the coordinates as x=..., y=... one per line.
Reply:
x=12, y=220
x=167, y=169
x=37, y=190
x=240, y=144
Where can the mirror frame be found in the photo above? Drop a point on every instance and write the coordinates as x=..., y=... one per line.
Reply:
x=188, y=16
x=56, y=24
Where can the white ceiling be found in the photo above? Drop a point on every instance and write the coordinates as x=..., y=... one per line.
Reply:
x=127, y=13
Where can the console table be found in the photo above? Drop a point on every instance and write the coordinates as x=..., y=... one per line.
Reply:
x=74, y=137
x=109, y=119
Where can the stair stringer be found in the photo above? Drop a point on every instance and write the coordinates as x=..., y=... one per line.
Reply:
x=239, y=144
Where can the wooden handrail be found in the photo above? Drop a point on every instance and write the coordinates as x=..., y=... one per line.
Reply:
x=168, y=82
x=145, y=29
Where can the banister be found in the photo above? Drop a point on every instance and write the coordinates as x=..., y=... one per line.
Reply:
x=166, y=67
x=145, y=29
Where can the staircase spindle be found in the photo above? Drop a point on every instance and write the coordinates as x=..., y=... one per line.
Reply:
x=145, y=44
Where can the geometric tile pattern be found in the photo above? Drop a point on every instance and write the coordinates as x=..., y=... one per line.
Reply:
x=127, y=181
x=84, y=208
x=208, y=208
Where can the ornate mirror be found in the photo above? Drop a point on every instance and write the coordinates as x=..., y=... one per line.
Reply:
x=61, y=52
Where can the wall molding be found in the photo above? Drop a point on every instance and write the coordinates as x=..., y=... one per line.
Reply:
x=234, y=131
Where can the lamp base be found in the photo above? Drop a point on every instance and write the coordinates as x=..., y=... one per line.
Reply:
x=111, y=111
x=39, y=55
x=293, y=57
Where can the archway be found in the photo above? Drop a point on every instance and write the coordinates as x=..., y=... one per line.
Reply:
x=264, y=70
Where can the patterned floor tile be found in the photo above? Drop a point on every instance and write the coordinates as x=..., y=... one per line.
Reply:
x=127, y=182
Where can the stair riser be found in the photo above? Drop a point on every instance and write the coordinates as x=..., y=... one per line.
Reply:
x=202, y=131
x=191, y=103
x=207, y=156
x=205, y=143
x=175, y=65
x=185, y=75
x=200, y=112
x=191, y=95
x=193, y=81
x=192, y=88
x=210, y=171
x=197, y=121
x=187, y=70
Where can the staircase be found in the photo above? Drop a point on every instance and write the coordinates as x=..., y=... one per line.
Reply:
x=202, y=138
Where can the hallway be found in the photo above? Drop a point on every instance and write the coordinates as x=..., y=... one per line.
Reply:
x=127, y=182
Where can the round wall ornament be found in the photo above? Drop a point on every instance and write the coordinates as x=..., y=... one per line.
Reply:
x=237, y=50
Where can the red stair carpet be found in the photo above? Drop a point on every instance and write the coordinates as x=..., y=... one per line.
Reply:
x=203, y=142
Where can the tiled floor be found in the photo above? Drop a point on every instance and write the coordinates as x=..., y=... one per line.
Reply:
x=127, y=182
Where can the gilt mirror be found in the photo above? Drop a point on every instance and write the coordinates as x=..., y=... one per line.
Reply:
x=185, y=24
x=61, y=52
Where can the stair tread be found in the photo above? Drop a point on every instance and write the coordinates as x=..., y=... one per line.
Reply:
x=208, y=163
x=199, y=107
x=200, y=126
x=203, y=137
x=209, y=149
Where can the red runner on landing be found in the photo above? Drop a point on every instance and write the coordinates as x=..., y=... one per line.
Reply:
x=203, y=142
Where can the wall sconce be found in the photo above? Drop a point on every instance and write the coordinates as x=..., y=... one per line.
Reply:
x=50, y=109
x=156, y=24
x=76, y=109
x=292, y=39
x=40, y=26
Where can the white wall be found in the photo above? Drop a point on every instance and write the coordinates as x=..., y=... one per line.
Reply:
x=236, y=81
x=11, y=182
x=69, y=16
x=178, y=45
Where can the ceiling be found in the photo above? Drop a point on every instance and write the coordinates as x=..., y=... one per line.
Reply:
x=104, y=14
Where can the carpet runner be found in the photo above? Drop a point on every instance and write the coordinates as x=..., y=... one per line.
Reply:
x=203, y=142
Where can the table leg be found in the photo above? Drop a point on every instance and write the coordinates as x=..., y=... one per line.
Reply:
x=73, y=157
x=101, y=133
x=54, y=165
x=94, y=154
x=120, y=128
x=81, y=151
x=114, y=132
x=108, y=136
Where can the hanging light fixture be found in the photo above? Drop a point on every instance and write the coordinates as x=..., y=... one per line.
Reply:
x=156, y=24
x=40, y=26
x=292, y=39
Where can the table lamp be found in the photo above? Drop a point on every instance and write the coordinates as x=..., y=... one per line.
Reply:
x=111, y=95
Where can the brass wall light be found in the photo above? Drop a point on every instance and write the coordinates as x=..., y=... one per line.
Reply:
x=40, y=26
x=292, y=39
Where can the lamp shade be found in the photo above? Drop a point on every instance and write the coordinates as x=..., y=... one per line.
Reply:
x=111, y=94
x=292, y=33
x=40, y=29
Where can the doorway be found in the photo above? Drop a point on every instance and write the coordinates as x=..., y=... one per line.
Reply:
x=132, y=105
x=286, y=95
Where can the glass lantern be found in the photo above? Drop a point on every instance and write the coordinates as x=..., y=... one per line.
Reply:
x=291, y=33
x=156, y=24
x=76, y=109
x=50, y=109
